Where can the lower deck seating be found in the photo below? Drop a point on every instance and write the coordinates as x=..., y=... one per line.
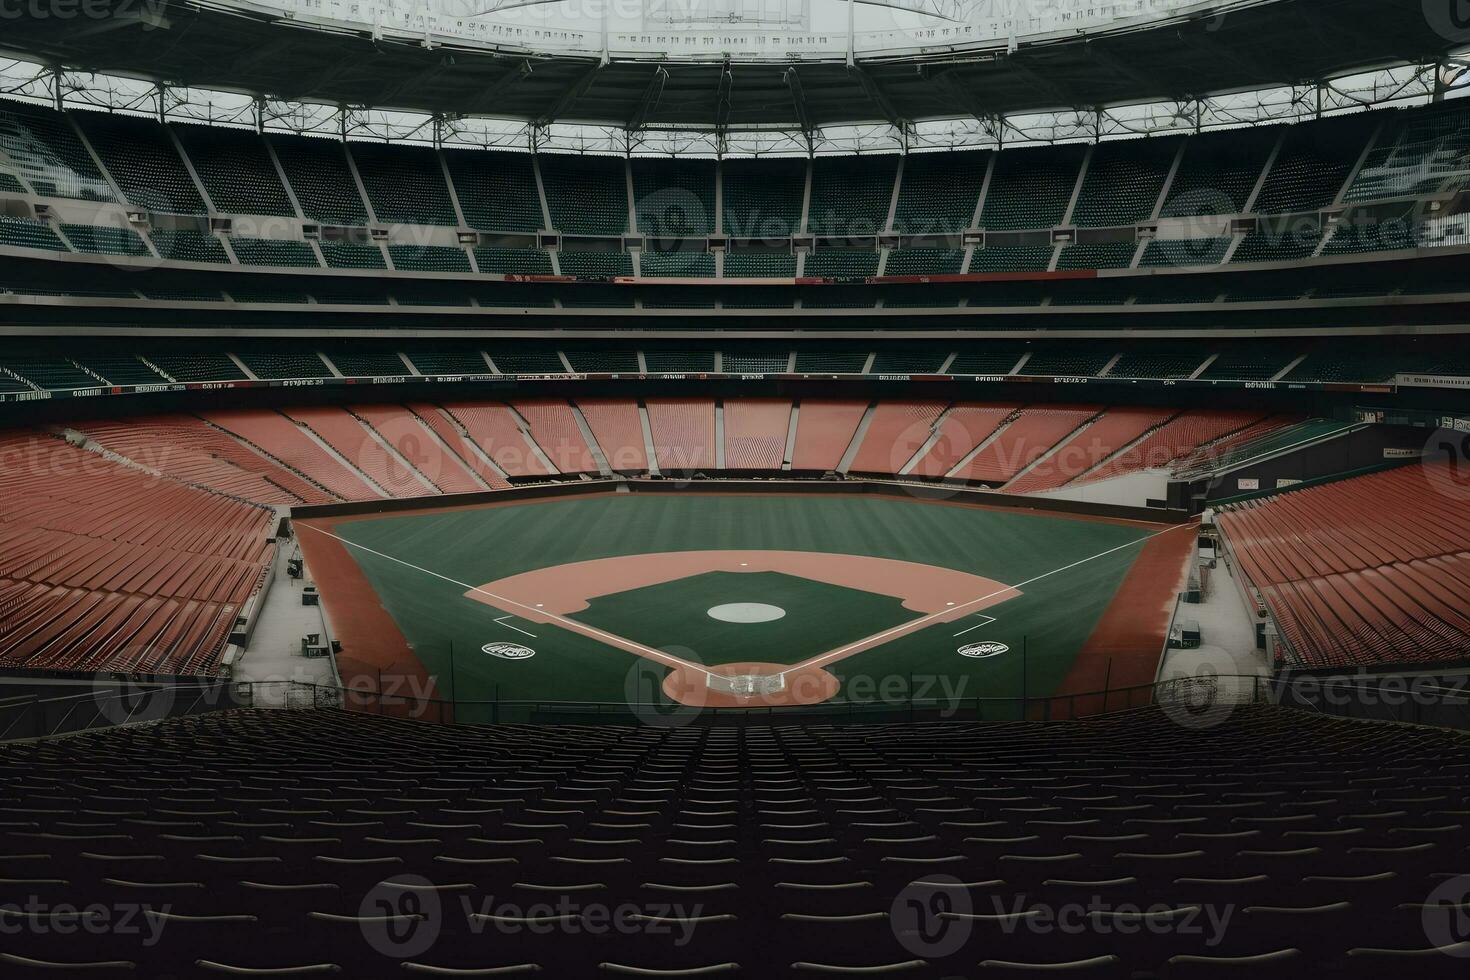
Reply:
x=964, y=427
x=453, y=435
x=1371, y=570
x=755, y=433
x=683, y=433
x=285, y=442
x=1294, y=840
x=106, y=567
x=554, y=426
x=617, y=426
x=1117, y=428
x=1176, y=438
x=897, y=429
x=497, y=431
x=1023, y=443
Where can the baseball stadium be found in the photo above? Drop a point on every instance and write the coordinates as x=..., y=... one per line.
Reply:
x=799, y=489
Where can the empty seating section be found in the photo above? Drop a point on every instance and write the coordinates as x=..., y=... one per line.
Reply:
x=750, y=362
x=51, y=372
x=352, y=255
x=1184, y=252
x=498, y=433
x=896, y=430
x=1124, y=180
x=586, y=263
x=674, y=198
x=851, y=195
x=924, y=262
x=273, y=364
x=587, y=195
x=429, y=258
x=1031, y=188
x=680, y=264
x=404, y=183
x=1025, y=441
x=1074, y=360
x=762, y=198
x=267, y=252
x=190, y=450
x=1097, y=255
x=140, y=156
x=603, y=361
x=939, y=192
x=679, y=361
x=105, y=567
x=1178, y=437
x=418, y=446
x=188, y=245
x=964, y=427
x=1219, y=171
x=1423, y=152
x=841, y=263
x=1252, y=365
x=319, y=175
x=1011, y=258
x=104, y=240
x=1161, y=364
x=453, y=435
x=554, y=426
x=527, y=361
x=236, y=169
x=1367, y=571
x=123, y=369
x=617, y=425
x=760, y=264
x=1278, y=245
x=450, y=362
x=830, y=362
x=755, y=433
x=496, y=191
x=1113, y=430
x=367, y=363
x=1270, y=435
x=1341, y=873
x=27, y=233
x=1311, y=166
x=284, y=441
x=991, y=359
x=683, y=433
x=356, y=448
x=10, y=184
x=42, y=147
x=517, y=261
x=187, y=366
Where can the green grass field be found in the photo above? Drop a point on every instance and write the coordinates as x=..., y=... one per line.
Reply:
x=1053, y=617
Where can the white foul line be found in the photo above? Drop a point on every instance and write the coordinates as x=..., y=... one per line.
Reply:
x=502, y=622
x=988, y=621
x=915, y=624
x=576, y=627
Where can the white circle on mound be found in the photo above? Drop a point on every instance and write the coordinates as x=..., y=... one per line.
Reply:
x=747, y=612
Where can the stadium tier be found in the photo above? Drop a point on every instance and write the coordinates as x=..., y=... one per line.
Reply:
x=1357, y=186
x=309, y=829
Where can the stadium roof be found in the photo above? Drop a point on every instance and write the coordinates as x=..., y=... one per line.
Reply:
x=265, y=52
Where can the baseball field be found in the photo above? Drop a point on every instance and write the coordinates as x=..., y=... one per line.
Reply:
x=741, y=600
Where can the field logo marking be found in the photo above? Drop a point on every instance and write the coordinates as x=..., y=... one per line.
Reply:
x=508, y=651
x=983, y=650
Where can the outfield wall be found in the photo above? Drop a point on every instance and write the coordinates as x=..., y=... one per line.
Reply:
x=886, y=488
